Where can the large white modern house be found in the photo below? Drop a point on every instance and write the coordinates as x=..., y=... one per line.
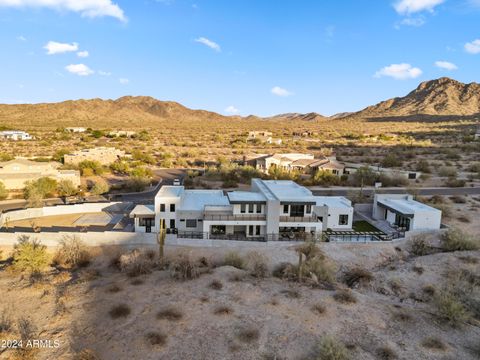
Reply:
x=271, y=210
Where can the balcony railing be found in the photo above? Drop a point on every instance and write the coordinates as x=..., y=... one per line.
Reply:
x=298, y=219
x=212, y=217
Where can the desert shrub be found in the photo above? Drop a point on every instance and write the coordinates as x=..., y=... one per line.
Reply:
x=183, y=267
x=344, y=296
x=86, y=354
x=170, y=313
x=434, y=343
x=330, y=349
x=357, y=275
x=66, y=188
x=318, y=308
x=457, y=240
x=385, y=353
x=447, y=171
x=72, y=252
x=257, y=264
x=100, y=187
x=419, y=246
x=449, y=308
x=423, y=166
x=223, y=310
x=26, y=328
x=6, y=322
x=248, y=334
x=402, y=316
x=156, y=338
x=3, y=191
x=292, y=293
x=451, y=182
x=464, y=284
x=216, y=285
x=30, y=255
x=234, y=259
x=320, y=270
x=114, y=288
x=285, y=270
x=43, y=187
x=457, y=199
x=90, y=167
x=429, y=290
x=310, y=250
x=119, y=311
x=135, y=263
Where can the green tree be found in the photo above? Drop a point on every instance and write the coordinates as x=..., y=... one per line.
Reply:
x=363, y=176
x=90, y=167
x=59, y=155
x=66, y=188
x=325, y=177
x=40, y=189
x=3, y=191
x=30, y=255
x=391, y=160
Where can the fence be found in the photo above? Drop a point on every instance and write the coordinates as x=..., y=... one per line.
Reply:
x=352, y=236
x=243, y=237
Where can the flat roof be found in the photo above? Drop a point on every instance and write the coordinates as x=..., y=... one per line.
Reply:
x=246, y=196
x=170, y=191
x=404, y=206
x=196, y=200
x=287, y=191
x=333, y=201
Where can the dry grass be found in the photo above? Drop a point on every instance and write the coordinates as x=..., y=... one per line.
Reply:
x=292, y=293
x=318, y=309
x=402, y=316
x=257, y=264
x=330, y=348
x=248, y=334
x=345, y=296
x=114, y=289
x=216, y=285
x=357, y=275
x=223, y=310
x=119, y=311
x=234, y=259
x=385, y=353
x=434, y=343
x=183, y=267
x=170, y=313
x=86, y=354
x=156, y=338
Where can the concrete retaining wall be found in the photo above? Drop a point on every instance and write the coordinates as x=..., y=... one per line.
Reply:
x=58, y=210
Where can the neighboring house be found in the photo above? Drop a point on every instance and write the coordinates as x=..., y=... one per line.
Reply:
x=15, y=135
x=304, y=133
x=104, y=155
x=303, y=162
x=265, y=137
x=351, y=168
x=15, y=173
x=122, y=133
x=272, y=209
x=76, y=129
x=477, y=134
x=402, y=211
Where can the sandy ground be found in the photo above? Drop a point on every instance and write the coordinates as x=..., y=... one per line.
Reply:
x=74, y=309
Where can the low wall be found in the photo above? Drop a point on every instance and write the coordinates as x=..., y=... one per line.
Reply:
x=57, y=210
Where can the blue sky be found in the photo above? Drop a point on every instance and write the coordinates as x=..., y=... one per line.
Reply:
x=237, y=56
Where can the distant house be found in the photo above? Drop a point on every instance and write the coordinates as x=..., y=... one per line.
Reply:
x=122, y=133
x=15, y=135
x=15, y=173
x=296, y=161
x=477, y=134
x=351, y=168
x=76, y=129
x=104, y=155
x=402, y=211
x=265, y=137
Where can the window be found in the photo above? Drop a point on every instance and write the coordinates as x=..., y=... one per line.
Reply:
x=250, y=230
x=172, y=223
x=259, y=209
x=412, y=175
x=320, y=218
x=308, y=209
x=191, y=223
x=243, y=208
x=219, y=229
x=172, y=207
x=285, y=209
x=257, y=230
x=162, y=207
x=343, y=220
x=250, y=208
x=297, y=210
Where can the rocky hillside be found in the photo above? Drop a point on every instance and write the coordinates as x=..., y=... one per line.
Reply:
x=443, y=96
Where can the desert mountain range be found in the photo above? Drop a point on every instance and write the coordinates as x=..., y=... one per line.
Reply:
x=442, y=96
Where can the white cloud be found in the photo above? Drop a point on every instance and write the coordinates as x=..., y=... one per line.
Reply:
x=473, y=47
x=399, y=72
x=54, y=47
x=104, y=73
x=79, y=69
x=277, y=90
x=123, y=81
x=211, y=44
x=21, y=38
x=86, y=8
x=446, y=65
x=83, y=54
x=232, y=110
x=405, y=7
x=413, y=21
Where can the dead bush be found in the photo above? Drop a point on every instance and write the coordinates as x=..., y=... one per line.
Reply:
x=330, y=349
x=402, y=316
x=457, y=240
x=257, y=264
x=450, y=309
x=26, y=329
x=135, y=263
x=419, y=246
x=310, y=250
x=234, y=259
x=137, y=282
x=429, y=290
x=345, y=296
x=320, y=269
x=156, y=338
x=216, y=285
x=418, y=269
x=318, y=308
x=248, y=334
x=223, y=310
x=86, y=354
x=170, y=313
x=183, y=267
x=385, y=353
x=72, y=253
x=237, y=277
x=114, y=289
x=357, y=275
x=434, y=343
x=285, y=270
x=119, y=311
x=6, y=322
x=292, y=293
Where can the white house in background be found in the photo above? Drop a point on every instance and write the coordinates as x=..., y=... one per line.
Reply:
x=15, y=135
x=272, y=209
x=351, y=168
x=76, y=129
x=265, y=137
x=402, y=211
x=477, y=134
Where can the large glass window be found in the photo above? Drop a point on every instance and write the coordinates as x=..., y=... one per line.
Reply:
x=191, y=223
x=162, y=207
x=343, y=220
x=219, y=229
x=172, y=223
x=297, y=210
x=243, y=208
x=259, y=208
x=308, y=209
x=250, y=208
x=172, y=207
x=285, y=209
